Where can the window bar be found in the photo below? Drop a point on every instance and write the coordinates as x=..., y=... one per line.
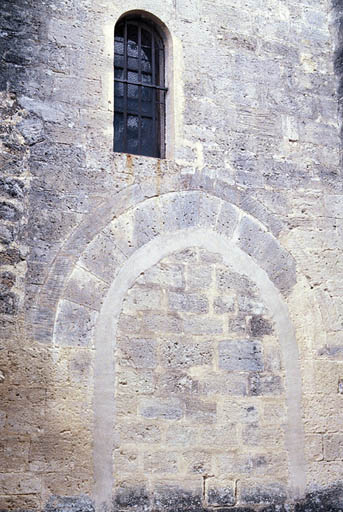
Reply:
x=139, y=89
x=121, y=80
x=125, y=86
x=154, y=141
x=162, y=106
x=159, y=94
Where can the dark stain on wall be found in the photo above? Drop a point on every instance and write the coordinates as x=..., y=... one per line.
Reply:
x=22, y=26
x=179, y=500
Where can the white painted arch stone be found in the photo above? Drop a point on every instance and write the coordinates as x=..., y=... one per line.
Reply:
x=137, y=240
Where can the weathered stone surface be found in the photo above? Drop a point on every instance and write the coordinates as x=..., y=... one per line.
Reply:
x=201, y=411
x=240, y=355
x=177, y=498
x=164, y=409
x=8, y=303
x=253, y=155
x=103, y=258
x=69, y=504
x=220, y=495
x=131, y=497
x=259, y=244
x=199, y=277
x=171, y=276
x=160, y=463
x=180, y=353
x=84, y=288
x=138, y=353
x=333, y=447
x=188, y=302
x=139, y=433
x=79, y=322
x=180, y=382
x=259, y=326
x=265, y=384
x=272, y=493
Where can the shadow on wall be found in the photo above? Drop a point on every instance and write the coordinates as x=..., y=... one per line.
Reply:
x=37, y=418
x=21, y=47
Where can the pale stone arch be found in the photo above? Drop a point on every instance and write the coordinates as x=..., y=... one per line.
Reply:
x=136, y=240
x=41, y=313
x=105, y=334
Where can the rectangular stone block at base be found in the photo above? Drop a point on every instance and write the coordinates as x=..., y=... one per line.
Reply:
x=178, y=496
x=219, y=493
x=259, y=493
x=21, y=502
x=71, y=484
x=321, y=472
x=131, y=495
x=19, y=483
x=69, y=504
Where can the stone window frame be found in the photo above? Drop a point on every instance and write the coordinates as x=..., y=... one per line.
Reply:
x=161, y=109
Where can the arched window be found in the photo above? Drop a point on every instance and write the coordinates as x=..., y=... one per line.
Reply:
x=139, y=88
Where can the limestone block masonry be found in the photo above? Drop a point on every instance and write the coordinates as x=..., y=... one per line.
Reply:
x=171, y=329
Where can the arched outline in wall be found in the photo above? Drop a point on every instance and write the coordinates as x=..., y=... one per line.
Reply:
x=166, y=36
x=105, y=335
x=41, y=312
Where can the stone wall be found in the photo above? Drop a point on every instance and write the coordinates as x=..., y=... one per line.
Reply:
x=199, y=386
x=171, y=329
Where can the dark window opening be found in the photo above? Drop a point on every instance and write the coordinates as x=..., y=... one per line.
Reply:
x=139, y=89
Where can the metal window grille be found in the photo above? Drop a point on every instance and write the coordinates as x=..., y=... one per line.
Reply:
x=139, y=89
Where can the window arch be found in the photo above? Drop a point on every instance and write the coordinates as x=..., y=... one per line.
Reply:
x=139, y=88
